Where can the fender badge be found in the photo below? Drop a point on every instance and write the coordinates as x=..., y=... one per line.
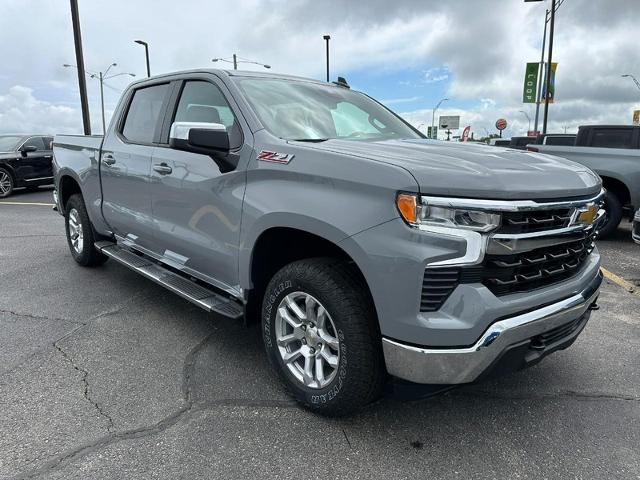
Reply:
x=274, y=157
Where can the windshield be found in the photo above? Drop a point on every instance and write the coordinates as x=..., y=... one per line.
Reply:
x=296, y=110
x=8, y=143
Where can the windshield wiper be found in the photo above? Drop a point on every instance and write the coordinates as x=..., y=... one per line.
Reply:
x=312, y=140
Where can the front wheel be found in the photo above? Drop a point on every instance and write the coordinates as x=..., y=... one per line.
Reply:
x=80, y=236
x=321, y=336
x=613, y=209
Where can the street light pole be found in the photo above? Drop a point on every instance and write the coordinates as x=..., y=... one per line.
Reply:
x=528, y=119
x=82, y=84
x=326, y=39
x=548, y=81
x=635, y=80
x=146, y=54
x=236, y=60
x=433, y=116
x=102, y=77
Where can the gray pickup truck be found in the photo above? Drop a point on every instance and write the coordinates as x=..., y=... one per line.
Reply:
x=363, y=249
x=613, y=152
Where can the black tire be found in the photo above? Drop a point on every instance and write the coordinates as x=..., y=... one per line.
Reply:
x=360, y=372
x=6, y=178
x=613, y=207
x=87, y=255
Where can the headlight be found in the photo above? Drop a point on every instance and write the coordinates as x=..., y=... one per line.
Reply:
x=416, y=212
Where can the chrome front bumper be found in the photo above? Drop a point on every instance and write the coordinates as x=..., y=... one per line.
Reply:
x=464, y=365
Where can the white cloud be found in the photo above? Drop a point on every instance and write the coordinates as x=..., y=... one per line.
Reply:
x=22, y=112
x=480, y=48
x=436, y=74
x=395, y=101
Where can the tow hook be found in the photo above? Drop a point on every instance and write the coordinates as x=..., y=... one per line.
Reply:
x=594, y=306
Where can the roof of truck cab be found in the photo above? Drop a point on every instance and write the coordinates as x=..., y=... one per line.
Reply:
x=234, y=73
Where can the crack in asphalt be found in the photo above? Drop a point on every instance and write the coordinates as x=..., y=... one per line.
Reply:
x=189, y=407
x=85, y=381
x=39, y=317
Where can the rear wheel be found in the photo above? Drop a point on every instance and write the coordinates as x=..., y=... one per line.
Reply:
x=80, y=236
x=321, y=336
x=6, y=183
x=613, y=207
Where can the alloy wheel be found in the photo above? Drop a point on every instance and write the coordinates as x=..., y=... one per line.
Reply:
x=307, y=340
x=75, y=231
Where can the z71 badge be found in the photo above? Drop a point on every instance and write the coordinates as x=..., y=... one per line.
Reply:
x=274, y=157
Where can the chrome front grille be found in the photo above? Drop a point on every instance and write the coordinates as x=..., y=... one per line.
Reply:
x=536, y=268
x=535, y=220
x=537, y=244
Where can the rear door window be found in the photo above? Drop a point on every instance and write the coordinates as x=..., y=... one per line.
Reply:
x=144, y=114
x=612, y=138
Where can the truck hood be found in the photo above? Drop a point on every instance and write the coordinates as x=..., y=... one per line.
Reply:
x=8, y=155
x=455, y=169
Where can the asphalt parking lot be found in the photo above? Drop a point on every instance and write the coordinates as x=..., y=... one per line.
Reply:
x=104, y=374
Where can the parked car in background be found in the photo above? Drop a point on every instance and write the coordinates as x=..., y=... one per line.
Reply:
x=520, y=143
x=25, y=161
x=500, y=142
x=613, y=152
x=635, y=231
x=363, y=248
x=566, y=139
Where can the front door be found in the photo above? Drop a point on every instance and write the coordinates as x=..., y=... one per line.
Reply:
x=197, y=208
x=125, y=164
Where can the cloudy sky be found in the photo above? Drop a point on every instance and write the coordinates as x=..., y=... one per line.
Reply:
x=407, y=53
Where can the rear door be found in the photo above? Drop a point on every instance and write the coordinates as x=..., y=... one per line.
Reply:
x=197, y=208
x=35, y=166
x=125, y=163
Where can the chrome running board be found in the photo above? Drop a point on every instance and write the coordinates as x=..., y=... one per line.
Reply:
x=204, y=297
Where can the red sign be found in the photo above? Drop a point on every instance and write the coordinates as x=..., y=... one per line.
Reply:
x=465, y=133
x=501, y=124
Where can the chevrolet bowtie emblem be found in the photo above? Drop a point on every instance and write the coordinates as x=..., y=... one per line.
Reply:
x=587, y=214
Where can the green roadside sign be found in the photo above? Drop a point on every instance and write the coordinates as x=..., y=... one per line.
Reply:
x=530, y=82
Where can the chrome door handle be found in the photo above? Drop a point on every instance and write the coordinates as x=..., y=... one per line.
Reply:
x=163, y=169
x=108, y=159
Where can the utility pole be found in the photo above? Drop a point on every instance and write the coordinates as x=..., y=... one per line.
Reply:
x=548, y=80
x=538, y=100
x=82, y=84
x=235, y=62
x=326, y=39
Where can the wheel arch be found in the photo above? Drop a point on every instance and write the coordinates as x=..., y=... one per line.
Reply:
x=67, y=185
x=271, y=248
x=617, y=187
x=11, y=171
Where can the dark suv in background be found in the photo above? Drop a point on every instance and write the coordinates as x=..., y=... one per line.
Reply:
x=25, y=161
